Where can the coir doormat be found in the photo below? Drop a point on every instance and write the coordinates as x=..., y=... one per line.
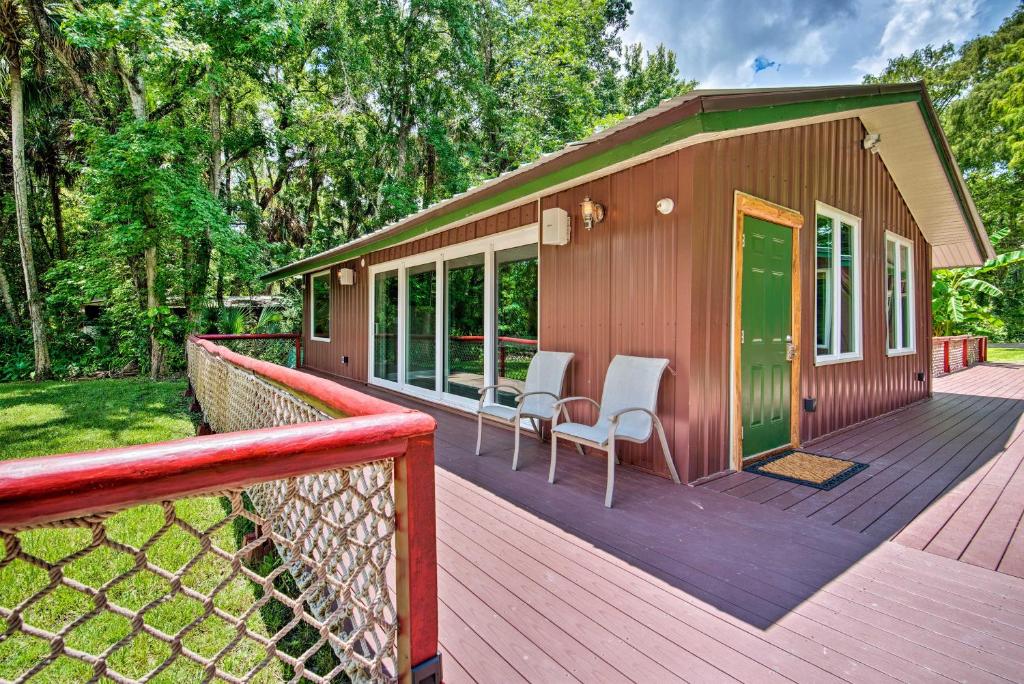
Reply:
x=820, y=472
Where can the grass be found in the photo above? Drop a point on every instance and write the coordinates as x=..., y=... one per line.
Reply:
x=56, y=417
x=1006, y=355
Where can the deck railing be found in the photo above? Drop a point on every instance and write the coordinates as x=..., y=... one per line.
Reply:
x=284, y=349
x=956, y=352
x=296, y=543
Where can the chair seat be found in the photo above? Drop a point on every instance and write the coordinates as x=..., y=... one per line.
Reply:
x=598, y=434
x=499, y=411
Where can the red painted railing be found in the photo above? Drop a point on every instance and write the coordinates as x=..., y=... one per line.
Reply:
x=333, y=495
x=223, y=338
x=953, y=353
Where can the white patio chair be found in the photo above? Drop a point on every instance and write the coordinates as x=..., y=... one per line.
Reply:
x=626, y=412
x=536, y=401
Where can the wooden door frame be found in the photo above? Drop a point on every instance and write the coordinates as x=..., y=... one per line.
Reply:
x=747, y=205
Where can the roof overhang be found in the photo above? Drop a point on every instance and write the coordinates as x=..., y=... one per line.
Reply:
x=913, y=147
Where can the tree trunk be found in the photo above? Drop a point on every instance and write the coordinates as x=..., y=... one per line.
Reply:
x=135, y=88
x=58, y=212
x=5, y=292
x=35, y=309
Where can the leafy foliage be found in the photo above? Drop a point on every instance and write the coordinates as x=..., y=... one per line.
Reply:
x=978, y=92
x=225, y=138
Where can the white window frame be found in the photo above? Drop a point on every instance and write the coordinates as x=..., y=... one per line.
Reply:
x=899, y=240
x=312, y=306
x=837, y=216
x=518, y=237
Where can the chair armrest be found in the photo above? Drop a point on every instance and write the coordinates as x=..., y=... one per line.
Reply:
x=562, y=402
x=482, y=390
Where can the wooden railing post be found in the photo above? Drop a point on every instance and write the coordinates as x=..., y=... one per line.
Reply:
x=966, y=355
x=298, y=351
x=945, y=356
x=416, y=578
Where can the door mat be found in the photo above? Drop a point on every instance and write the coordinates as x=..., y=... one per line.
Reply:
x=820, y=472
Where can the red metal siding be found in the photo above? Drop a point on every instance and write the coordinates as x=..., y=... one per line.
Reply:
x=618, y=289
x=653, y=285
x=350, y=304
x=794, y=167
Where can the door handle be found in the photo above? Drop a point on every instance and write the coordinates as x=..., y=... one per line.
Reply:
x=790, y=351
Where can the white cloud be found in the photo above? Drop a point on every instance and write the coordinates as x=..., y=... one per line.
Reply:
x=916, y=23
x=814, y=41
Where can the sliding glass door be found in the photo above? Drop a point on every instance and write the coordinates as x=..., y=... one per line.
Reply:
x=464, y=325
x=516, y=293
x=385, y=326
x=421, y=326
x=450, y=322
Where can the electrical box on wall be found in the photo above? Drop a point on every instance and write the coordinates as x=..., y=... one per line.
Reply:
x=346, y=276
x=555, y=227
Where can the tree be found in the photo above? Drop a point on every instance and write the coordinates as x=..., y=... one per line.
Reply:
x=978, y=92
x=11, y=27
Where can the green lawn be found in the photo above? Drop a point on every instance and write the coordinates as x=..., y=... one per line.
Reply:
x=1006, y=355
x=55, y=417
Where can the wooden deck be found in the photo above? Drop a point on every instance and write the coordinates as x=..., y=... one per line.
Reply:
x=945, y=476
x=542, y=583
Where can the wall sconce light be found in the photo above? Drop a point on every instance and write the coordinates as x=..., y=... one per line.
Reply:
x=592, y=212
x=665, y=205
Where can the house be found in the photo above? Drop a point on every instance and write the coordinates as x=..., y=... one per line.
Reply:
x=774, y=244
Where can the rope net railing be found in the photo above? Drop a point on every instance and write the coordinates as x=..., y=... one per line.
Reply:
x=284, y=349
x=262, y=553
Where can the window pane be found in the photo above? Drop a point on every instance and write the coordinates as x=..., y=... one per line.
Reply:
x=385, y=320
x=890, y=293
x=905, y=295
x=421, y=293
x=322, y=306
x=516, y=319
x=824, y=285
x=847, y=309
x=464, y=301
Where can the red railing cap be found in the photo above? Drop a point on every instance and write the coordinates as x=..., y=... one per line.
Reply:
x=337, y=397
x=36, y=490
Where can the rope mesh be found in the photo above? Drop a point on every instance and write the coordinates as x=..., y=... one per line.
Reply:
x=284, y=581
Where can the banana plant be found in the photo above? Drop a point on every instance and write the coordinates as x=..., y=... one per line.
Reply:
x=956, y=305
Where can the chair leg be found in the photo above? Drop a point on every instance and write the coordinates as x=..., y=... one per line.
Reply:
x=665, y=451
x=611, y=474
x=479, y=431
x=515, y=452
x=554, y=457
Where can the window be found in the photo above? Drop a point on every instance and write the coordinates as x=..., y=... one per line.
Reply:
x=837, y=286
x=899, y=294
x=448, y=322
x=320, y=306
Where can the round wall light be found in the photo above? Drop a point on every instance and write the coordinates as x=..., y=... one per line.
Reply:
x=665, y=205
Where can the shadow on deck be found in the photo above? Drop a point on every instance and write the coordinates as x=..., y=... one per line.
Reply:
x=541, y=582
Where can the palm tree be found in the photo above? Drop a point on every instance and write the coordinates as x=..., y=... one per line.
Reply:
x=11, y=26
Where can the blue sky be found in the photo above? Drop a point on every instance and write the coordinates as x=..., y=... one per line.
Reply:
x=802, y=43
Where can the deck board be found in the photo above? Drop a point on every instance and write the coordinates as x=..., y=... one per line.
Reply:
x=945, y=475
x=745, y=578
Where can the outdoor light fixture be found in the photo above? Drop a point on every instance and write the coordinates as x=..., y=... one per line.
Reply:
x=592, y=212
x=665, y=205
x=872, y=141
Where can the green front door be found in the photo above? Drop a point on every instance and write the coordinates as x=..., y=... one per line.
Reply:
x=766, y=328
